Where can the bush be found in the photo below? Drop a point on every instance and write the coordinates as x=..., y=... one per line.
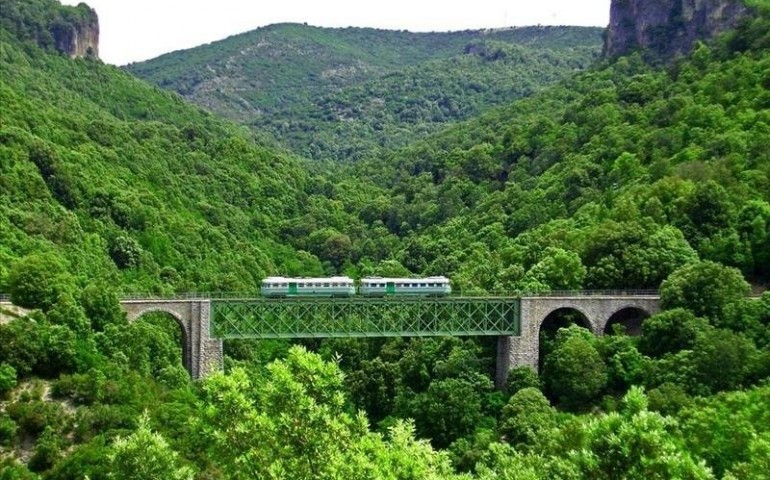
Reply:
x=7, y=378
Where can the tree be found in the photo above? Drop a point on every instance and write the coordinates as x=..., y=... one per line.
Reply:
x=102, y=306
x=37, y=280
x=68, y=313
x=145, y=455
x=7, y=378
x=629, y=255
x=574, y=372
x=526, y=414
x=634, y=443
x=704, y=288
x=125, y=251
x=292, y=422
x=520, y=378
x=450, y=408
x=558, y=269
x=722, y=359
x=708, y=210
x=670, y=332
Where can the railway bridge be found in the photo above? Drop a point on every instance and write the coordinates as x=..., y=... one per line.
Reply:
x=516, y=321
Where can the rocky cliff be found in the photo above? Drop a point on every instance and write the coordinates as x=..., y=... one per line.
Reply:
x=667, y=28
x=78, y=36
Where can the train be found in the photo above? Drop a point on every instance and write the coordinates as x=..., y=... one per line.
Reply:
x=346, y=287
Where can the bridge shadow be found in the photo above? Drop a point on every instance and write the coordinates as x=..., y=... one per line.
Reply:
x=559, y=318
x=626, y=321
x=166, y=328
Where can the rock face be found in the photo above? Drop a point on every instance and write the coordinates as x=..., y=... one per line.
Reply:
x=668, y=28
x=78, y=38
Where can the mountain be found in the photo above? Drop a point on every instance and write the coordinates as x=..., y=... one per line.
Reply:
x=664, y=30
x=73, y=31
x=127, y=184
x=628, y=169
x=351, y=92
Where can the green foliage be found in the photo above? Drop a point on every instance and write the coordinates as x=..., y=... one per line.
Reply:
x=22, y=345
x=620, y=177
x=721, y=429
x=633, y=443
x=558, y=269
x=704, y=288
x=48, y=450
x=670, y=332
x=7, y=430
x=626, y=366
x=34, y=416
x=347, y=94
x=668, y=399
x=293, y=422
x=37, y=280
x=520, y=378
x=145, y=455
x=574, y=372
x=526, y=415
x=101, y=306
x=7, y=378
x=722, y=360
x=68, y=313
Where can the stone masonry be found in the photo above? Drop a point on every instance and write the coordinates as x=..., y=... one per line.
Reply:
x=201, y=353
x=524, y=350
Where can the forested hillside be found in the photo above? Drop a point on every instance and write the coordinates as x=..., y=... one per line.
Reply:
x=628, y=171
x=121, y=181
x=349, y=93
x=625, y=176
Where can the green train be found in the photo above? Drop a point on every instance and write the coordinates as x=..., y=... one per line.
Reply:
x=346, y=287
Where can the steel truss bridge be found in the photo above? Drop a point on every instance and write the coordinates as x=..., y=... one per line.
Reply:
x=314, y=317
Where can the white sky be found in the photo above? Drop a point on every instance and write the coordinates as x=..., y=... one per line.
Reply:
x=135, y=30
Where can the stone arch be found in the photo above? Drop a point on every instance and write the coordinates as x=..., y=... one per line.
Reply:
x=194, y=315
x=630, y=317
x=558, y=317
x=184, y=328
x=550, y=317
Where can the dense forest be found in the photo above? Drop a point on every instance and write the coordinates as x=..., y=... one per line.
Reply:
x=351, y=93
x=627, y=175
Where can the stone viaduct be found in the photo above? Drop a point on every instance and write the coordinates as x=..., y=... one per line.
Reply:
x=596, y=311
x=203, y=354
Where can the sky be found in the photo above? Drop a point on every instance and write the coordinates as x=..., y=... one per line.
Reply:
x=136, y=30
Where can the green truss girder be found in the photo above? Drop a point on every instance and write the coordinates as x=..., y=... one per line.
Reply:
x=308, y=317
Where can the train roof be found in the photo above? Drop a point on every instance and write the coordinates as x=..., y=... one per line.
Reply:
x=405, y=280
x=307, y=279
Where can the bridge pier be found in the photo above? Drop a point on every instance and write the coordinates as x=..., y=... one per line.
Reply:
x=524, y=350
x=201, y=354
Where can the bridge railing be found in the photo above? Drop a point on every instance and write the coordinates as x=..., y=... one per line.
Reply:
x=594, y=293
x=473, y=294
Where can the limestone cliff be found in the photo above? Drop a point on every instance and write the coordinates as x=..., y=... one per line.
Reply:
x=668, y=28
x=78, y=37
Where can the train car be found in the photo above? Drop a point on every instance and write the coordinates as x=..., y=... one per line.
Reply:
x=317, y=287
x=428, y=286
